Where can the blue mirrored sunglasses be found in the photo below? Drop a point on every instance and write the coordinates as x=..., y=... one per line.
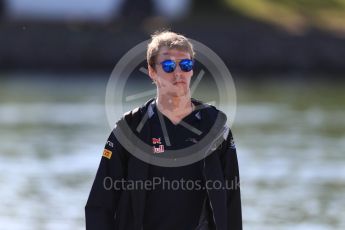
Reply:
x=169, y=66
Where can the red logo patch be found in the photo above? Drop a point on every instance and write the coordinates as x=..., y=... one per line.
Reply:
x=156, y=141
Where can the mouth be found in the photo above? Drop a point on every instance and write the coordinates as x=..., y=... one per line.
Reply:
x=179, y=82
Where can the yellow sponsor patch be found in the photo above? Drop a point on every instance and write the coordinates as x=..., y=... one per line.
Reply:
x=107, y=153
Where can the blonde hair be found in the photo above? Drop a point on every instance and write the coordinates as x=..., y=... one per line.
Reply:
x=170, y=40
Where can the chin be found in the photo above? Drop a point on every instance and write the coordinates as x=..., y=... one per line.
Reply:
x=178, y=93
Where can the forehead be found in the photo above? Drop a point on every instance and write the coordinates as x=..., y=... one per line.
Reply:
x=165, y=52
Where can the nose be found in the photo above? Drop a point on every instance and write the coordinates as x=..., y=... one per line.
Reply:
x=178, y=72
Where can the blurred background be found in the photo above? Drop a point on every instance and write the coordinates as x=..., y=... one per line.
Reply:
x=285, y=56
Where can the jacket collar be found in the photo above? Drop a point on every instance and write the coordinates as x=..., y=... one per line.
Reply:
x=152, y=104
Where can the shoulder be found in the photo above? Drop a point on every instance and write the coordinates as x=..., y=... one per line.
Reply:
x=136, y=114
x=209, y=111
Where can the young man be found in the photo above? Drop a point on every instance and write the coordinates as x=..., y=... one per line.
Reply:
x=175, y=121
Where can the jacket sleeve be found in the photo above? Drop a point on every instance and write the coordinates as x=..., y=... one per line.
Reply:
x=232, y=178
x=101, y=206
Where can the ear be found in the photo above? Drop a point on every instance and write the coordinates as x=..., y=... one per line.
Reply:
x=152, y=72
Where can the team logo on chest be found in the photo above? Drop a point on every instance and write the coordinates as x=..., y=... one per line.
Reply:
x=160, y=148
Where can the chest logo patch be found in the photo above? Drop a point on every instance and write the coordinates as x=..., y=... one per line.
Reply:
x=156, y=141
x=160, y=148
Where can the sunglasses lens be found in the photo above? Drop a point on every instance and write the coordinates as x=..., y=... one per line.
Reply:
x=186, y=65
x=168, y=66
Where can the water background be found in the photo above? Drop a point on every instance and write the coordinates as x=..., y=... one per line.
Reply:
x=290, y=137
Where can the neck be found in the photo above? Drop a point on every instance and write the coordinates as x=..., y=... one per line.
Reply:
x=177, y=106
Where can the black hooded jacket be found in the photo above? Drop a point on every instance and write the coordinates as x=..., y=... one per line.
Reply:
x=114, y=209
